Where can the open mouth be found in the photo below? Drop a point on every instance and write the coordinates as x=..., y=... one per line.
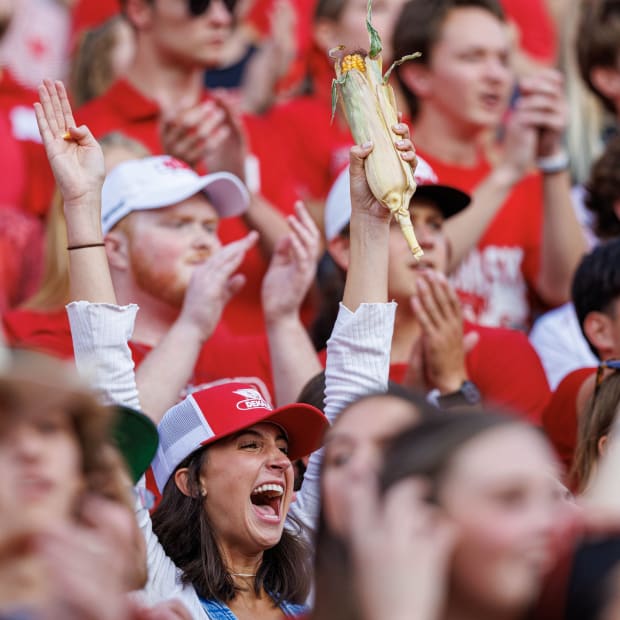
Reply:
x=267, y=501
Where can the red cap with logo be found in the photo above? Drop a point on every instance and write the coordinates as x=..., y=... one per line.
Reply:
x=222, y=410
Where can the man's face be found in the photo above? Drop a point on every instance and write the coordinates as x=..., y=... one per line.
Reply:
x=469, y=79
x=188, y=40
x=403, y=268
x=166, y=245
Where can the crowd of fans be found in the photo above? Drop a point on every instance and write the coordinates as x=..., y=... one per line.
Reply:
x=228, y=390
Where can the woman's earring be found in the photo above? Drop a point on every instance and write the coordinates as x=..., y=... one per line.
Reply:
x=203, y=492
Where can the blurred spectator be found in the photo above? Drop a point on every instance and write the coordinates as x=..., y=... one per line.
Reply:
x=37, y=45
x=588, y=121
x=557, y=335
x=596, y=294
x=41, y=322
x=519, y=242
x=22, y=153
x=322, y=150
x=594, y=427
x=101, y=55
x=433, y=349
x=161, y=101
x=448, y=526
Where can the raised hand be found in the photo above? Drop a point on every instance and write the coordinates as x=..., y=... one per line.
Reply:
x=362, y=199
x=74, y=155
x=400, y=546
x=292, y=268
x=212, y=285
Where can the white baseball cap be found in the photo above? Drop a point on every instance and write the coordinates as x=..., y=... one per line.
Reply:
x=448, y=200
x=161, y=181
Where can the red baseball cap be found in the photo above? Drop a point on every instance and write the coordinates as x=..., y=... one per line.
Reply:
x=222, y=410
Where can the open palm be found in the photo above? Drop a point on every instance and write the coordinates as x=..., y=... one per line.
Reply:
x=75, y=156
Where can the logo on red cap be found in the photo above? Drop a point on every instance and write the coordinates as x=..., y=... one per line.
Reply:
x=252, y=399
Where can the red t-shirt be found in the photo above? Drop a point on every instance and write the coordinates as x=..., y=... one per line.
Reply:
x=560, y=416
x=123, y=108
x=505, y=368
x=497, y=278
x=27, y=179
x=223, y=356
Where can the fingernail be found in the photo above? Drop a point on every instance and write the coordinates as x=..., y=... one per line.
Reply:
x=367, y=145
x=400, y=143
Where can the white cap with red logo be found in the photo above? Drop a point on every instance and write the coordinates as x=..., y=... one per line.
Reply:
x=162, y=181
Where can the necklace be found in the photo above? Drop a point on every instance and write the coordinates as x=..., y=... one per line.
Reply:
x=243, y=574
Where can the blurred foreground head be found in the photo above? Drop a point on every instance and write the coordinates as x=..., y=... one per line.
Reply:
x=55, y=441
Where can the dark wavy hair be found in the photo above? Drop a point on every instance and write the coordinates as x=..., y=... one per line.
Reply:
x=185, y=532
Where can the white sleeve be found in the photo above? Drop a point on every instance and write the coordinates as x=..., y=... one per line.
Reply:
x=358, y=363
x=100, y=335
x=560, y=344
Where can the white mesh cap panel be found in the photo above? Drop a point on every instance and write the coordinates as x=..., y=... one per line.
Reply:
x=181, y=431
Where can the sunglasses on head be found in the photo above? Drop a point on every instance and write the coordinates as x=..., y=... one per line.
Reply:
x=600, y=373
x=200, y=7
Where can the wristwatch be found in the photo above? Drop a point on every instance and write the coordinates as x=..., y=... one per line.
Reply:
x=466, y=396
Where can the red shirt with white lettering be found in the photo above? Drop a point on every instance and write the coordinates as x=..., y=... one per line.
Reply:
x=496, y=280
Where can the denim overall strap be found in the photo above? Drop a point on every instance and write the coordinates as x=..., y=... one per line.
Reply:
x=219, y=611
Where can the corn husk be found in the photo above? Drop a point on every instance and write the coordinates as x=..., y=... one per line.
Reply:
x=370, y=109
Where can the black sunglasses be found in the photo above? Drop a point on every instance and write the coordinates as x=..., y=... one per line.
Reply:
x=600, y=373
x=200, y=7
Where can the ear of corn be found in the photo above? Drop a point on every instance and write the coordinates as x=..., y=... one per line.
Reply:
x=371, y=113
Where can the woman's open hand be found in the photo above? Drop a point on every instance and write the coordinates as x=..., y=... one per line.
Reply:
x=74, y=155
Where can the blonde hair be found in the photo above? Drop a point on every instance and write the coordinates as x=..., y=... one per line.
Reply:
x=92, y=66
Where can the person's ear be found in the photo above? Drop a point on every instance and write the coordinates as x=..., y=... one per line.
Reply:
x=117, y=250
x=607, y=81
x=598, y=329
x=601, y=445
x=139, y=13
x=338, y=249
x=416, y=78
x=181, y=479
